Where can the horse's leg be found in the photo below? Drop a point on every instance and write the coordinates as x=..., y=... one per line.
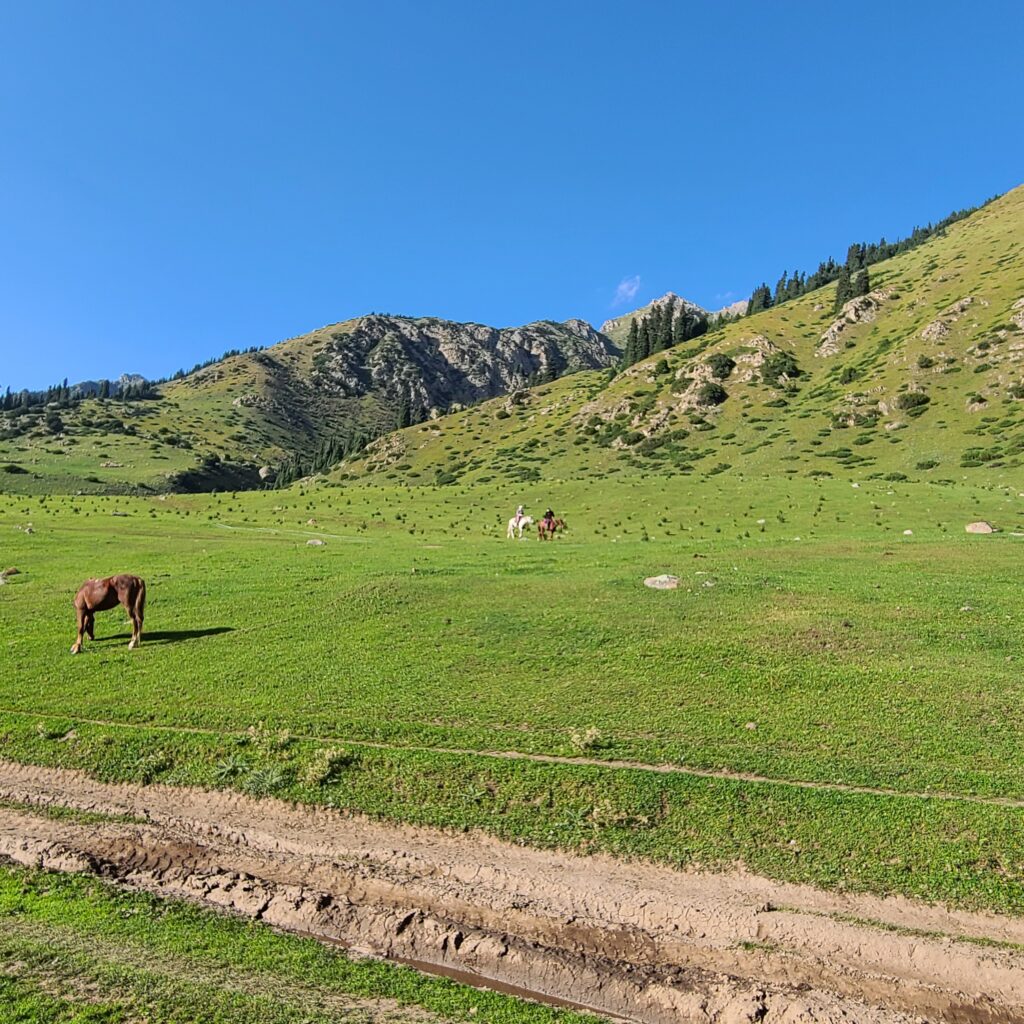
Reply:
x=128, y=604
x=90, y=623
x=139, y=608
x=76, y=647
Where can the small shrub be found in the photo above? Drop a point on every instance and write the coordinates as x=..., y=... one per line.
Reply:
x=266, y=780
x=925, y=362
x=149, y=766
x=779, y=364
x=230, y=767
x=12, y=468
x=52, y=730
x=270, y=740
x=326, y=764
x=584, y=740
x=720, y=365
x=911, y=400
x=710, y=393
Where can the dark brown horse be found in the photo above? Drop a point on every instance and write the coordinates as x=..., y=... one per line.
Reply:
x=99, y=595
x=547, y=528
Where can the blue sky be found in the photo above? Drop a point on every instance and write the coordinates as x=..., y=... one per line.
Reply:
x=181, y=178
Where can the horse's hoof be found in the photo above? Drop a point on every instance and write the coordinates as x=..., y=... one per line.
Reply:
x=76, y=650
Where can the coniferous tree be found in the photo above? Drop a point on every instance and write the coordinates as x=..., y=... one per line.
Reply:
x=629, y=353
x=844, y=288
x=664, y=332
x=760, y=300
x=404, y=414
x=861, y=283
x=643, y=341
x=679, y=333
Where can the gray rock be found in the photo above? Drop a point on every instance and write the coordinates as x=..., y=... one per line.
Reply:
x=980, y=527
x=316, y=542
x=663, y=582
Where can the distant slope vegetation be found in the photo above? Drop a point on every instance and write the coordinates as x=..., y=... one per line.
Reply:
x=303, y=402
x=922, y=377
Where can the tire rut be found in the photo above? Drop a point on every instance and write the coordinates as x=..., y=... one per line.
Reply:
x=637, y=941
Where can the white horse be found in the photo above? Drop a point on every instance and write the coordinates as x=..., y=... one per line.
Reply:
x=513, y=526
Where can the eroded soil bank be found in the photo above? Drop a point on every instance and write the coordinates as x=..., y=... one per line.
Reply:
x=637, y=941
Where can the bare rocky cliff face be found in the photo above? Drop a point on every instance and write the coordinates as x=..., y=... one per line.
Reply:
x=433, y=364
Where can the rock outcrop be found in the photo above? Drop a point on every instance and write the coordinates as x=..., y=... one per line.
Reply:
x=939, y=328
x=435, y=364
x=860, y=310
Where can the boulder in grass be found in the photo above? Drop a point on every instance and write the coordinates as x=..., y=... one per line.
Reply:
x=316, y=542
x=663, y=582
x=980, y=527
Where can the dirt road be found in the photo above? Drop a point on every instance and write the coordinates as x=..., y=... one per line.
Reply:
x=637, y=941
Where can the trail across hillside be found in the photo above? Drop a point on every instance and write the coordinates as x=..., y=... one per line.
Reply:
x=635, y=940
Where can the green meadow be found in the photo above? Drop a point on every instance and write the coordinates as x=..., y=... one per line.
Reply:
x=811, y=641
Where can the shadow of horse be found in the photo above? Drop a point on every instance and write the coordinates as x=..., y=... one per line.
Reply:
x=173, y=636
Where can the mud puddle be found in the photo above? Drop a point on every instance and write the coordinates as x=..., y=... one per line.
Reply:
x=635, y=941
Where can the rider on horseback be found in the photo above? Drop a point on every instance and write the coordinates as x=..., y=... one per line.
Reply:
x=520, y=513
x=549, y=520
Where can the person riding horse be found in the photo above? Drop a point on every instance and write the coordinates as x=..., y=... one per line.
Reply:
x=549, y=520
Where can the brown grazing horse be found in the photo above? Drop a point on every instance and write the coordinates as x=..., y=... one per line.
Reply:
x=100, y=595
x=547, y=528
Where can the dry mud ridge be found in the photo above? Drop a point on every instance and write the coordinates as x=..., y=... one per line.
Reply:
x=636, y=941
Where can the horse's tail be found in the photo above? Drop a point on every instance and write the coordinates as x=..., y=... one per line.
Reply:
x=140, y=599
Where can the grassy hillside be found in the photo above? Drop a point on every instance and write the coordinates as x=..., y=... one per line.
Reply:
x=252, y=408
x=921, y=379
x=216, y=427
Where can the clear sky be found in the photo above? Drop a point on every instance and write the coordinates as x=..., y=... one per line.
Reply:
x=180, y=178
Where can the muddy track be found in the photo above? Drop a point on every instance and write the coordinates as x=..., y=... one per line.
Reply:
x=633, y=940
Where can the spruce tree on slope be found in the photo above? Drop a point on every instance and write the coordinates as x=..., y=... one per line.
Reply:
x=844, y=288
x=861, y=284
